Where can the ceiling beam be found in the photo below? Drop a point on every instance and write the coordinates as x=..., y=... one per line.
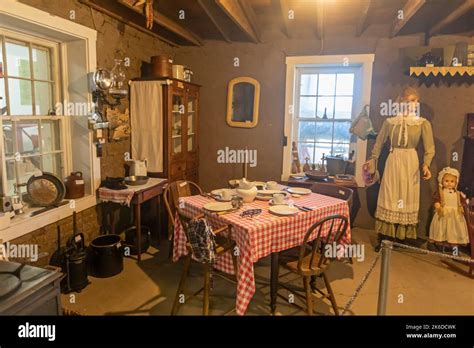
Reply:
x=408, y=11
x=123, y=15
x=363, y=22
x=166, y=23
x=250, y=13
x=461, y=10
x=236, y=12
x=214, y=15
x=319, y=19
x=284, y=8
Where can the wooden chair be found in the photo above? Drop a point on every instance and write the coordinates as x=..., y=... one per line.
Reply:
x=171, y=195
x=469, y=215
x=224, y=244
x=336, y=191
x=310, y=261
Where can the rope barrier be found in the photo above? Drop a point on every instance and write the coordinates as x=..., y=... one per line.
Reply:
x=428, y=252
x=361, y=284
x=374, y=262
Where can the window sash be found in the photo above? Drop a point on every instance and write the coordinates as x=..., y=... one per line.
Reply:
x=53, y=48
x=331, y=120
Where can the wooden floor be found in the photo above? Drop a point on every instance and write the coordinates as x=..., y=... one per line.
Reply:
x=419, y=284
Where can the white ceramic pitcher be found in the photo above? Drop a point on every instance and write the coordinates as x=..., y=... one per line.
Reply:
x=138, y=167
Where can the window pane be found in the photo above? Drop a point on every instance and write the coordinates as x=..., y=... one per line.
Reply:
x=10, y=165
x=341, y=132
x=26, y=168
x=50, y=136
x=326, y=103
x=341, y=149
x=322, y=149
x=345, y=84
x=20, y=97
x=3, y=98
x=307, y=131
x=343, y=108
x=27, y=138
x=18, y=60
x=53, y=164
x=309, y=84
x=327, y=84
x=307, y=106
x=306, y=151
x=324, y=131
x=8, y=139
x=2, y=70
x=43, y=98
x=41, y=65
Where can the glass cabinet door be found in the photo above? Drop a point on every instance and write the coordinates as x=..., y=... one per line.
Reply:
x=191, y=123
x=178, y=111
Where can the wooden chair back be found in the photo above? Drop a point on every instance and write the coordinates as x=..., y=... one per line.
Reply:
x=185, y=223
x=337, y=228
x=333, y=190
x=174, y=191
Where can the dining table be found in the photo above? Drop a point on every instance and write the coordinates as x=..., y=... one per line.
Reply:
x=259, y=236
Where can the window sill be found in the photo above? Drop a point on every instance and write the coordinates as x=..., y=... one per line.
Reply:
x=24, y=224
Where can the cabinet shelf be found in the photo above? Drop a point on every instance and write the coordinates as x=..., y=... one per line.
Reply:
x=417, y=71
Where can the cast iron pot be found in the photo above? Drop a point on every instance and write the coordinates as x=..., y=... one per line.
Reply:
x=106, y=256
x=131, y=239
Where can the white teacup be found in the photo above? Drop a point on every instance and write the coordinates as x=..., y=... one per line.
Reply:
x=226, y=194
x=272, y=185
x=279, y=198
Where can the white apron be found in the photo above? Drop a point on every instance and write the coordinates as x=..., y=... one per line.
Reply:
x=399, y=195
x=450, y=227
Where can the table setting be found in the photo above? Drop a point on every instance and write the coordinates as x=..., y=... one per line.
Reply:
x=266, y=218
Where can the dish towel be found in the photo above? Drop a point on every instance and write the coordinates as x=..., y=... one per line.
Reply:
x=146, y=114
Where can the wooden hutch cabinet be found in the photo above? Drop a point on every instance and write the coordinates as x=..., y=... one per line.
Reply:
x=181, y=113
x=180, y=129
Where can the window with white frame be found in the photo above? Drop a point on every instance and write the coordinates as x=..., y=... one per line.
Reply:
x=324, y=107
x=30, y=87
x=322, y=96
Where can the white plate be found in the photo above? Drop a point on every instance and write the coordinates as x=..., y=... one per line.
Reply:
x=266, y=195
x=270, y=192
x=273, y=203
x=217, y=195
x=218, y=206
x=299, y=190
x=283, y=210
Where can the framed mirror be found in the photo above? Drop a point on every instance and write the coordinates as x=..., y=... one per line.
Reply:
x=243, y=97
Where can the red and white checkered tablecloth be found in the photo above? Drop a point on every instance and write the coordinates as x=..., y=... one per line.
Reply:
x=259, y=236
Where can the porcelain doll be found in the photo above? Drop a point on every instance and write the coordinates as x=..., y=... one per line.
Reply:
x=449, y=224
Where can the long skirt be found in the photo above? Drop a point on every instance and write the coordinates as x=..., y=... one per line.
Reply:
x=451, y=226
x=399, y=196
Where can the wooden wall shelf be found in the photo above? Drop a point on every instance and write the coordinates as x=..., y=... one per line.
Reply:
x=442, y=71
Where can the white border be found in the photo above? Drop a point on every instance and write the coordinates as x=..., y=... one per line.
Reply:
x=23, y=18
x=364, y=61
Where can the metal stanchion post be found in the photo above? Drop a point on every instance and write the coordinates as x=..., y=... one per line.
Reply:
x=387, y=247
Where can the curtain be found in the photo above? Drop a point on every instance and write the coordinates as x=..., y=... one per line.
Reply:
x=146, y=113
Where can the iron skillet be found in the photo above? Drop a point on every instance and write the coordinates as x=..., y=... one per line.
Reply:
x=45, y=190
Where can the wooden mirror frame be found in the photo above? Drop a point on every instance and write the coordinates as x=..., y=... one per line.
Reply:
x=230, y=98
